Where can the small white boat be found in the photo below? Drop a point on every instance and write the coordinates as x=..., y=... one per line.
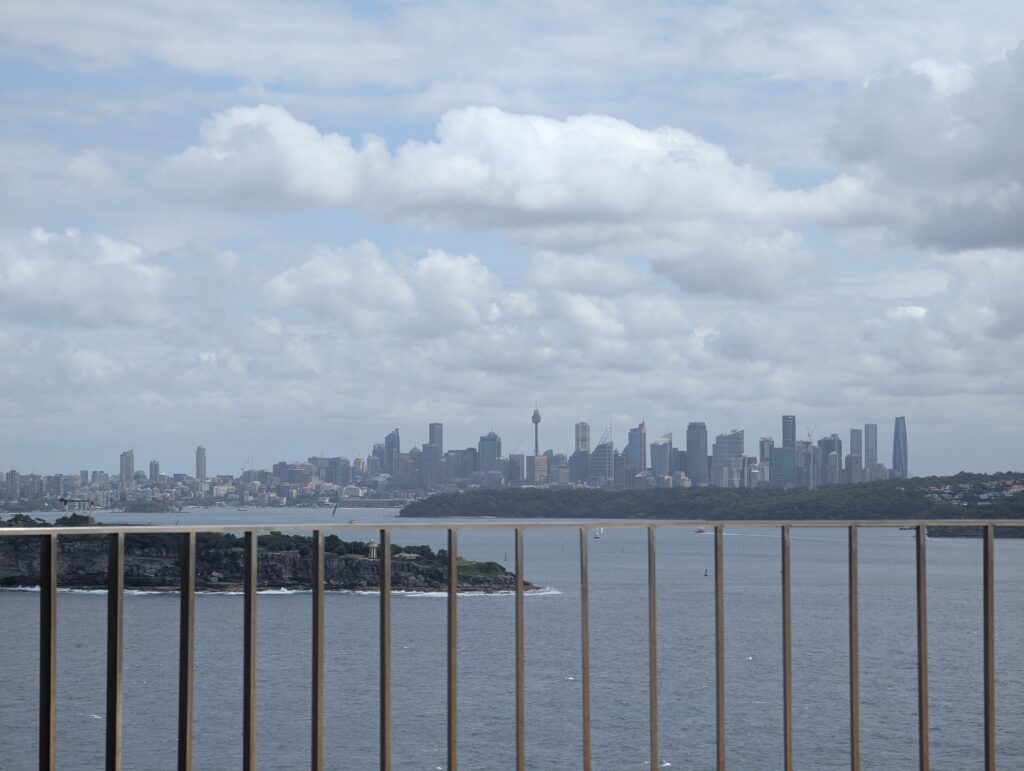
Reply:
x=598, y=531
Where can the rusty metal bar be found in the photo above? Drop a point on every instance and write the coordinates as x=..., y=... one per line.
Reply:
x=249, y=655
x=787, y=653
x=585, y=646
x=316, y=744
x=652, y=644
x=385, y=650
x=989, y=620
x=759, y=524
x=48, y=652
x=453, y=649
x=720, y=648
x=186, y=649
x=520, y=658
x=115, y=649
x=922, y=650
x=854, y=609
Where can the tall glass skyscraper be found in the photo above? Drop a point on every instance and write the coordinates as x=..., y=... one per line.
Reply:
x=697, y=453
x=900, y=458
x=870, y=445
x=201, y=463
x=582, y=437
x=789, y=431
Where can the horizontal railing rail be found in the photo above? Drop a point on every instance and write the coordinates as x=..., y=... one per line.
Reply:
x=48, y=579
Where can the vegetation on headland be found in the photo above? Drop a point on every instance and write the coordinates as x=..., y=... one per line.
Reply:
x=152, y=561
x=916, y=498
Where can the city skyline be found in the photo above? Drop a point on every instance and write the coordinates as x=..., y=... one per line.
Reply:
x=669, y=213
x=641, y=456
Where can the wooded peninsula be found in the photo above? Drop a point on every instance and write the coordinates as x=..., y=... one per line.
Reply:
x=964, y=496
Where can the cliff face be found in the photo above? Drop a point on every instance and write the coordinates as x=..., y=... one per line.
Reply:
x=82, y=563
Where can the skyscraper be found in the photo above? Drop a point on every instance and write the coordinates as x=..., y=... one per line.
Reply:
x=789, y=431
x=661, y=456
x=392, y=449
x=765, y=447
x=435, y=435
x=201, y=463
x=697, y=453
x=128, y=468
x=900, y=456
x=636, y=449
x=489, y=452
x=154, y=471
x=582, y=437
x=870, y=445
x=727, y=459
x=856, y=443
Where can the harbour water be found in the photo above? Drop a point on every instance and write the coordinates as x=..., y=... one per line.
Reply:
x=618, y=598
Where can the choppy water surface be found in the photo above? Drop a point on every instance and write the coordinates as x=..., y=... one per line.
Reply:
x=618, y=571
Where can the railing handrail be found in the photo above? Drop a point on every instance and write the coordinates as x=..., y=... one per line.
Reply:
x=50, y=535
x=554, y=524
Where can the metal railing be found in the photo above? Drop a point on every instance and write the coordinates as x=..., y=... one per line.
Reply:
x=186, y=656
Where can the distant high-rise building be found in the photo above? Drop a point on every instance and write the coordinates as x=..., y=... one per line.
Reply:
x=900, y=455
x=789, y=431
x=489, y=452
x=636, y=449
x=435, y=435
x=128, y=468
x=583, y=437
x=13, y=484
x=727, y=462
x=661, y=456
x=765, y=446
x=828, y=445
x=602, y=463
x=392, y=449
x=857, y=444
x=536, y=430
x=154, y=471
x=697, y=453
x=870, y=445
x=83, y=477
x=201, y=463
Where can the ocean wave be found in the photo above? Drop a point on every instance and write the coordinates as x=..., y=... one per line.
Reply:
x=544, y=591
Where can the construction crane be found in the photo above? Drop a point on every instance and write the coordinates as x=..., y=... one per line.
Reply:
x=810, y=432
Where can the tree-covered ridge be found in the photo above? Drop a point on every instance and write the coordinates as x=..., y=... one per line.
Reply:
x=917, y=498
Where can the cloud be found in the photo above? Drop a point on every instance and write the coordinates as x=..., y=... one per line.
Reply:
x=258, y=157
x=946, y=142
x=92, y=280
x=370, y=294
x=588, y=187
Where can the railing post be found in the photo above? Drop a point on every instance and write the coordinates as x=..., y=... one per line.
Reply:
x=115, y=649
x=787, y=653
x=652, y=644
x=585, y=646
x=720, y=647
x=922, y=650
x=186, y=649
x=520, y=658
x=249, y=655
x=316, y=744
x=385, y=650
x=989, y=621
x=453, y=649
x=47, y=652
x=854, y=609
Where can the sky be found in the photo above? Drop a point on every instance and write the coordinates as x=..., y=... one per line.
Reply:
x=283, y=229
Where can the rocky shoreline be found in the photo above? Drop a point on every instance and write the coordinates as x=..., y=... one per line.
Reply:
x=152, y=563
